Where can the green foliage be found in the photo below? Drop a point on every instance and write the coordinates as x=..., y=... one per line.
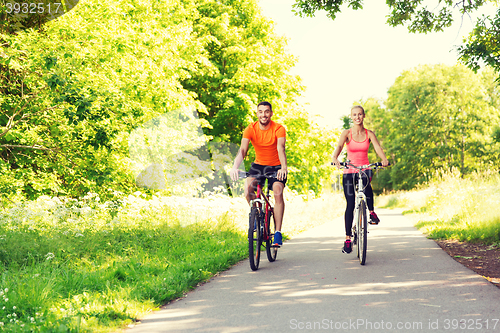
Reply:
x=83, y=266
x=346, y=122
x=332, y=7
x=242, y=63
x=309, y=149
x=448, y=207
x=437, y=117
x=90, y=266
x=415, y=14
x=73, y=91
x=481, y=47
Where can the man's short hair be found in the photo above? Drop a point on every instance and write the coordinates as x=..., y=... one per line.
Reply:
x=265, y=104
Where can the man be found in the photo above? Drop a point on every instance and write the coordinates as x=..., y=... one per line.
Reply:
x=268, y=138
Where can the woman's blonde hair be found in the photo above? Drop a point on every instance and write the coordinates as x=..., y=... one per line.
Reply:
x=358, y=107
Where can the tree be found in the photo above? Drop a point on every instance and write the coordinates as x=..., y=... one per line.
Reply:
x=72, y=91
x=481, y=47
x=243, y=62
x=440, y=118
x=309, y=151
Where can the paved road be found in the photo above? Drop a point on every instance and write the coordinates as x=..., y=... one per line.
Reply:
x=407, y=285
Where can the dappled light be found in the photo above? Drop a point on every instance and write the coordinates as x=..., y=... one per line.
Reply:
x=311, y=274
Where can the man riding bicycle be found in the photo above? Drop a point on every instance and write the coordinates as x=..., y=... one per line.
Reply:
x=268, y=138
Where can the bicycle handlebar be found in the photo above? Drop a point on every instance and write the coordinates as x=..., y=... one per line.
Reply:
x=243, y=174
x=348, y=165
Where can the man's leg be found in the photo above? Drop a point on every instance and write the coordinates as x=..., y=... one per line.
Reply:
x=250, y=185
x=279, y=204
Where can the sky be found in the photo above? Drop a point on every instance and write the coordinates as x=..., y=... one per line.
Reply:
x=358, y=55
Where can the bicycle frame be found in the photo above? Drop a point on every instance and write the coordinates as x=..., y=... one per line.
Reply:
x=260, y=226
x=360, y=225
x=360, y=196
x=259, y=203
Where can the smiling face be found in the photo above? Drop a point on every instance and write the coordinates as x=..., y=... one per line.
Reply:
x=357, y=115
x=264, y=114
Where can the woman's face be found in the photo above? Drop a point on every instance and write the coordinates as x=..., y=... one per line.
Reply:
x=357, y=116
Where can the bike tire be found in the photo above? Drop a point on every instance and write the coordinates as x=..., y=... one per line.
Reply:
x=272, y=251
x=254, y=239
x=362, y=233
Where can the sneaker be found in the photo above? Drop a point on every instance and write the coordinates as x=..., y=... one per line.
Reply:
x=278, y=240
x=347, y=246
x=374, y=218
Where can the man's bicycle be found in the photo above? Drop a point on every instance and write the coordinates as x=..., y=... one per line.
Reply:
x=360, y=223
x=261, y=226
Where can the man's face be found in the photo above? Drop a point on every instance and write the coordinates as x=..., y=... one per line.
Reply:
x=264, y=114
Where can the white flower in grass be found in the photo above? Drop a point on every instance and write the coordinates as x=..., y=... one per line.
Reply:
x=14, y=307
x=78, y=235
x=49, y=256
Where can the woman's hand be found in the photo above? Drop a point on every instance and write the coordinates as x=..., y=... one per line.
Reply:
x=336, y=162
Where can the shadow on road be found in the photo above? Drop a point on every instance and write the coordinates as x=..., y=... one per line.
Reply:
x=407, y=280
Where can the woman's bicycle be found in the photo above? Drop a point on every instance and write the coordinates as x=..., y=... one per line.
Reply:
x=360, y=223
x=261, y=226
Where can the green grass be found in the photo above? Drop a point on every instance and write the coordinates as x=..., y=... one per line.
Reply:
x=452, y=207
x=88, y=272
x=86, y=266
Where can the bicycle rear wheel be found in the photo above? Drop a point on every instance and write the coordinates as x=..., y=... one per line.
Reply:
x=362, y=233
x=272, y=251
x=254, y=239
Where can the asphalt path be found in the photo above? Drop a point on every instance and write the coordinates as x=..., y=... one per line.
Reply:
x=408, y=284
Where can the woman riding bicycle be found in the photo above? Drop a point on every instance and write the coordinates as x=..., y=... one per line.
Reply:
x=357, y=140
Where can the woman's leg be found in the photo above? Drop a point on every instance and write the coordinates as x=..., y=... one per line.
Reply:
x=367, y=178
x=348, y=181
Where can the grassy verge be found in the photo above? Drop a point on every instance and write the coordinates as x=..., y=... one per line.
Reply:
x=451, y=207
x=83, y=266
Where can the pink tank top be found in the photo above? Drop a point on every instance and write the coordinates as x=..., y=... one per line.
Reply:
x=357, y=152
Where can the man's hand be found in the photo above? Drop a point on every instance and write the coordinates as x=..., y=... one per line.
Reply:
x=385, y=162
x=234, y=174
x=282, y=173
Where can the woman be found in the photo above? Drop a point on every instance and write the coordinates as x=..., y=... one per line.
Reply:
x=357, y=140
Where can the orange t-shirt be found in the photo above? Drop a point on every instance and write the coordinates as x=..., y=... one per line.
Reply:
x=265, y=142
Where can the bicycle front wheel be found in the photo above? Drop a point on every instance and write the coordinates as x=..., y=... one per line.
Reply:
x=362, y=233
x=254, y=239
x=272, y=251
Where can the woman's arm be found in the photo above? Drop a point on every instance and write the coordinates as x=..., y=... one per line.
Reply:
x=340, y=146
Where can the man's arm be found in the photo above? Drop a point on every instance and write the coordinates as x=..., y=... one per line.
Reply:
x=283, y=172
x=239, y=158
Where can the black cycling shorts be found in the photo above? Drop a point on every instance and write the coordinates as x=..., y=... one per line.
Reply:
x=258, y=171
